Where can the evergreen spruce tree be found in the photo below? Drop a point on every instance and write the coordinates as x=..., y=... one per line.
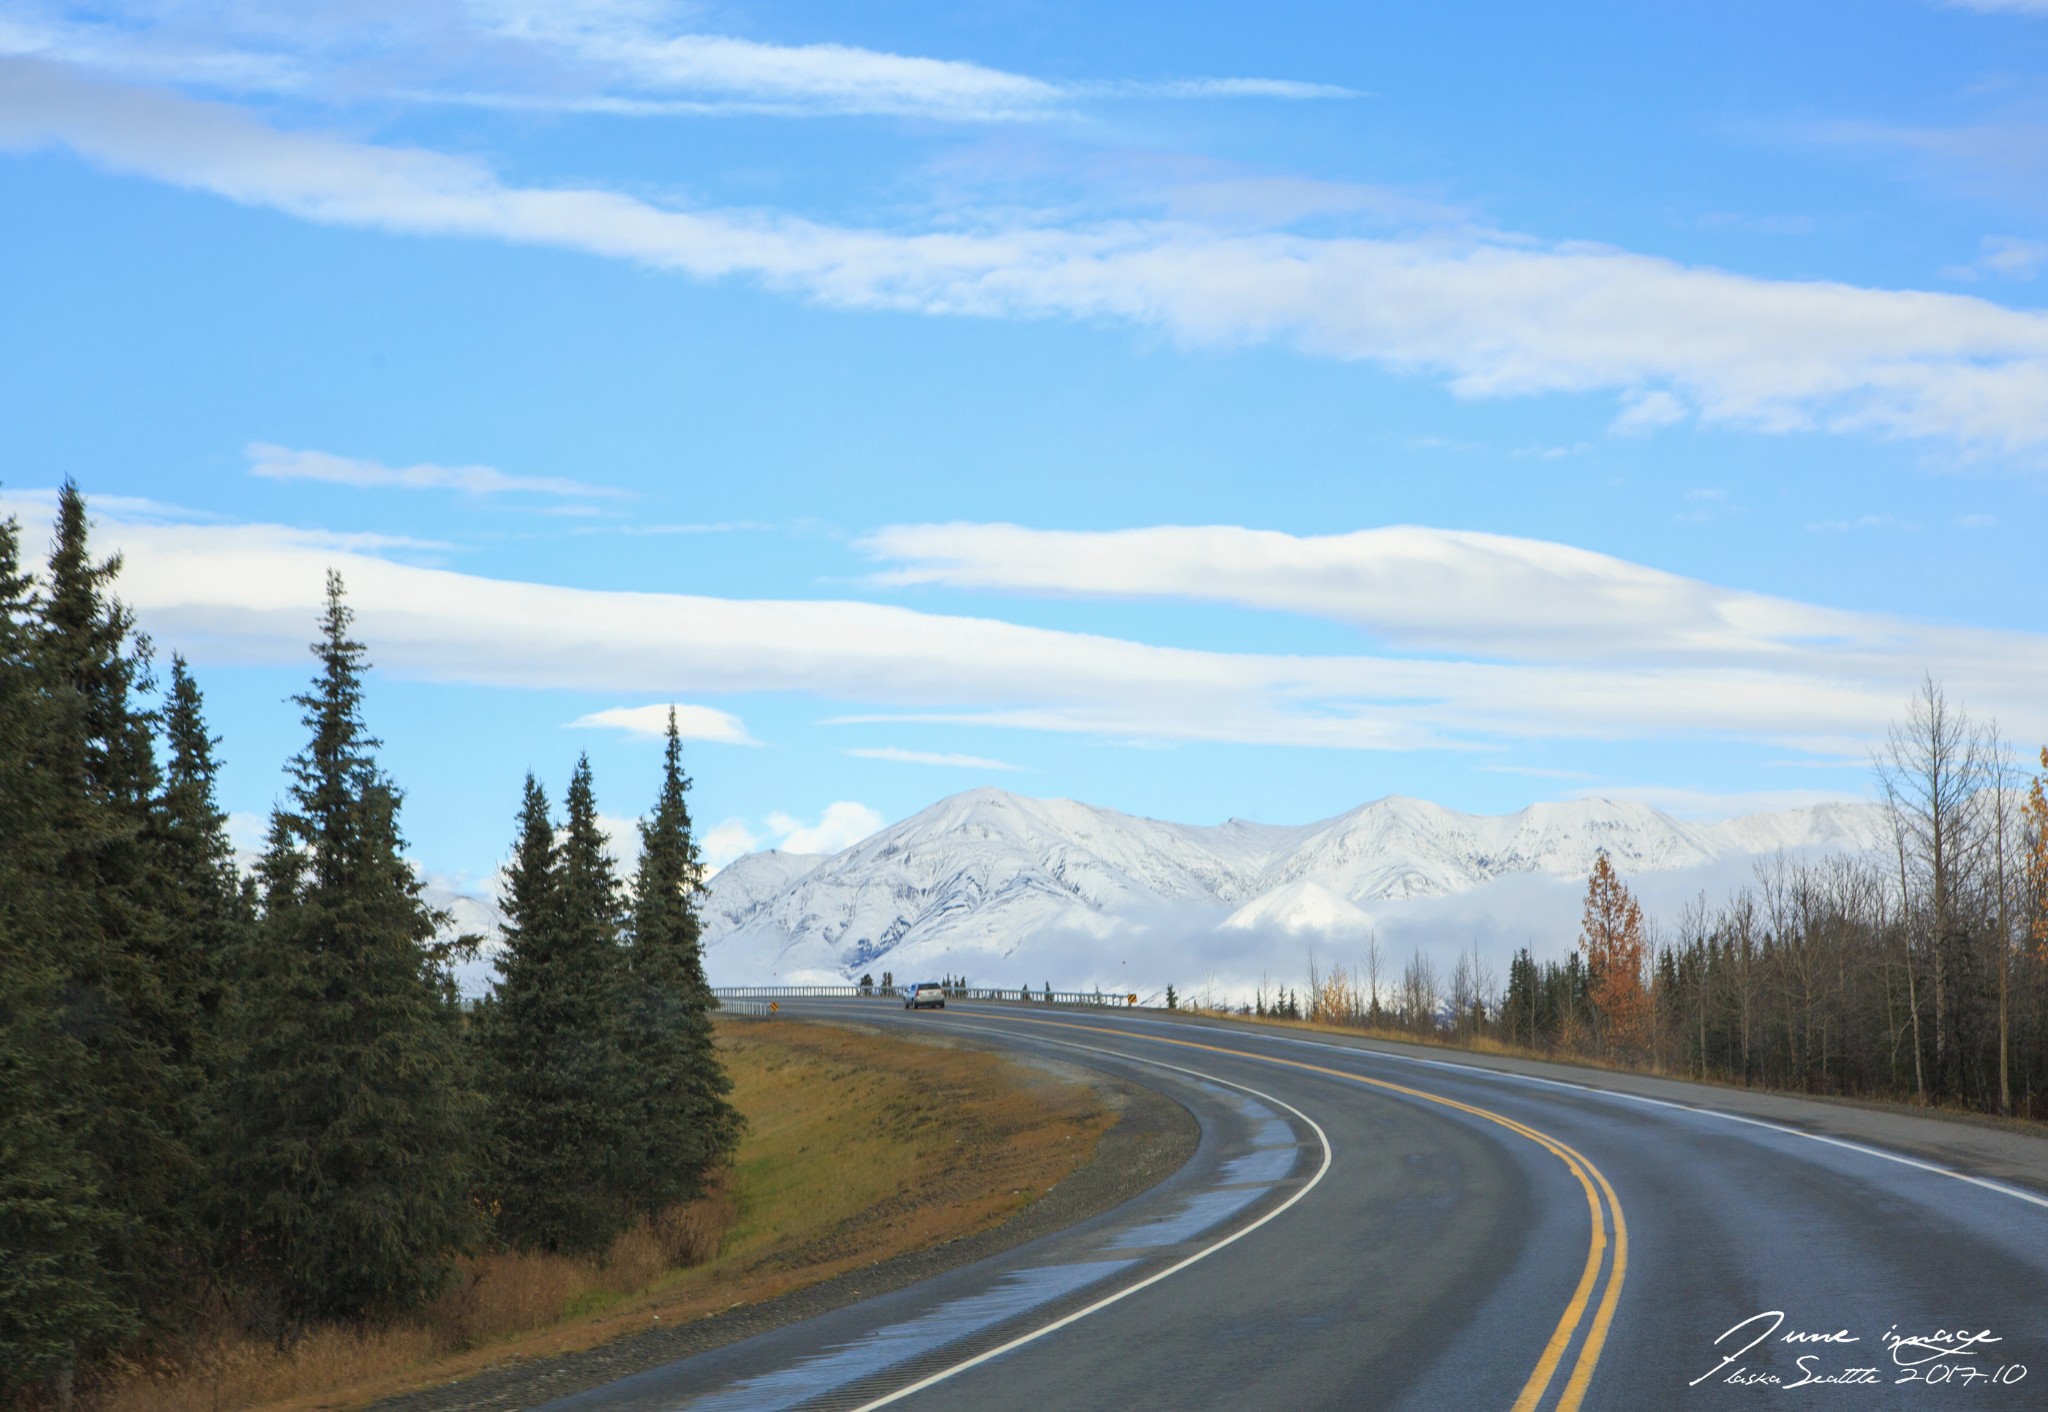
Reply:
x=560, y=1117
x=205, y=920
x=60, y=1303
x=140, y=1111
x=348, y=1183
x=683, y=1124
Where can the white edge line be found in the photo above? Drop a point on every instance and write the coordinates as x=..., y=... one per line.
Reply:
x=1128, y=1290
x=1482, y=1070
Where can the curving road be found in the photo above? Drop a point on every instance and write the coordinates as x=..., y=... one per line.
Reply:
x=1365, y=1228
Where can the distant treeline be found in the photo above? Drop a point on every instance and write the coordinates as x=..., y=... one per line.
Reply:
x=1919, y=973
x=261, y=1094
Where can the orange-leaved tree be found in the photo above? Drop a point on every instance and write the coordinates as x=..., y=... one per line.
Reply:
x=1612, y=935
x=2034, y=836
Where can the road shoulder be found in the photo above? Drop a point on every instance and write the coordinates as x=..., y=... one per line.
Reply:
x=1977, y=1145
x=1151, y=1139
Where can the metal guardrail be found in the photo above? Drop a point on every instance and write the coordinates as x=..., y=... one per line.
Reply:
x=749, y=1009
x=730, y=996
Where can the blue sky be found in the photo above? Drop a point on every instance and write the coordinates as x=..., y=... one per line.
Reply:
x=1187, y=413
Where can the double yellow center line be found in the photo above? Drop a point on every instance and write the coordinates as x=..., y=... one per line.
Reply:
x=1602, y=1205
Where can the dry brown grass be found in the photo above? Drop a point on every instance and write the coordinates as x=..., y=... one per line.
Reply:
x=1572, y=1053
x=859, y=1147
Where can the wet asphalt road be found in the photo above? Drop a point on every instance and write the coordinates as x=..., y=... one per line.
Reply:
x=1367, y=1229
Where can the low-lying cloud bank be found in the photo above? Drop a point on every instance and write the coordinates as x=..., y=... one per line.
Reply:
x=1727, y=665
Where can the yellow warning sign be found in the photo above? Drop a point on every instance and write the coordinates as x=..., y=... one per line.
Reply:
x=774, y=1005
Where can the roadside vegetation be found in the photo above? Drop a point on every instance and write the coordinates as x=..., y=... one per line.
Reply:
x=1920, y=975
x=257, y=1104
x=859, y=1147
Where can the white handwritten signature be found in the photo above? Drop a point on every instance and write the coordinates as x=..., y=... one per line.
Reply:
x=1917, y=1357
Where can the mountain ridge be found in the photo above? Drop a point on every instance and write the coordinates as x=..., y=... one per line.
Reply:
x=977, y=876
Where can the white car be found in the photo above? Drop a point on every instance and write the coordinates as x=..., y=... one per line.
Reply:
x=925, y=995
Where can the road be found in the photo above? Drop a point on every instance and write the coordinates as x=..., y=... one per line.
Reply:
x=1365, y=1229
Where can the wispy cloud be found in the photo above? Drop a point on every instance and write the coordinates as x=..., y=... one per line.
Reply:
x=1710, y=805
x=1490, y=641
x=692, y=723
x=1647, y=411
x=1290, y=89
x=1862, y=522
x=2008, y=7
x=1493, y=315
x=655, y=531
x=929, y=757
x=1417, y=587
x=2000, y=157
x=1757, y=225
x=632, y=60
x=282, y=463
x=2004, y=257
x=615, y=46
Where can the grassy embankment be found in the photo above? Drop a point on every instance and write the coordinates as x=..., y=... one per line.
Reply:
x=859, y=1147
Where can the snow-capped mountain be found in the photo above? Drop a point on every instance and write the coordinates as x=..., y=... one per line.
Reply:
x=990, y=879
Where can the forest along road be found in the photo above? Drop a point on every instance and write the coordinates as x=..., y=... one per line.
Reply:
x=1365, y=1229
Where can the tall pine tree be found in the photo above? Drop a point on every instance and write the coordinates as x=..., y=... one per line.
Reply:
x=556, y=1073
x=60, y=1303
x=349, y=1181
x=205, y=919
x=683, y=1126
x=143, y=1112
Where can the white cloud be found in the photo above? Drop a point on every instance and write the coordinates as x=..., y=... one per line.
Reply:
x=1976, y=521
x=728, y=840
x=929, y=757
x=692, y=723
x=1292, y=89
x=842, y=825
x=1429, y=589
x=248, y=831
x=622, y=841
x=2012, y=257
x=1862, y=522
x=625, y=50
x=1647, y=411
x=1494, y=314
x=2010, y=7
x=40, y=503
x=282, y=463
x=631, y=59
x=1712, y=805
x=1520, y=640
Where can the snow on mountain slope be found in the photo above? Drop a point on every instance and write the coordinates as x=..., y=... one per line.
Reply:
x=981, y=871
x=989, y=878
x=744, y=886
x=1851, y=827
x=1397, y=848
x=1300, y=908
